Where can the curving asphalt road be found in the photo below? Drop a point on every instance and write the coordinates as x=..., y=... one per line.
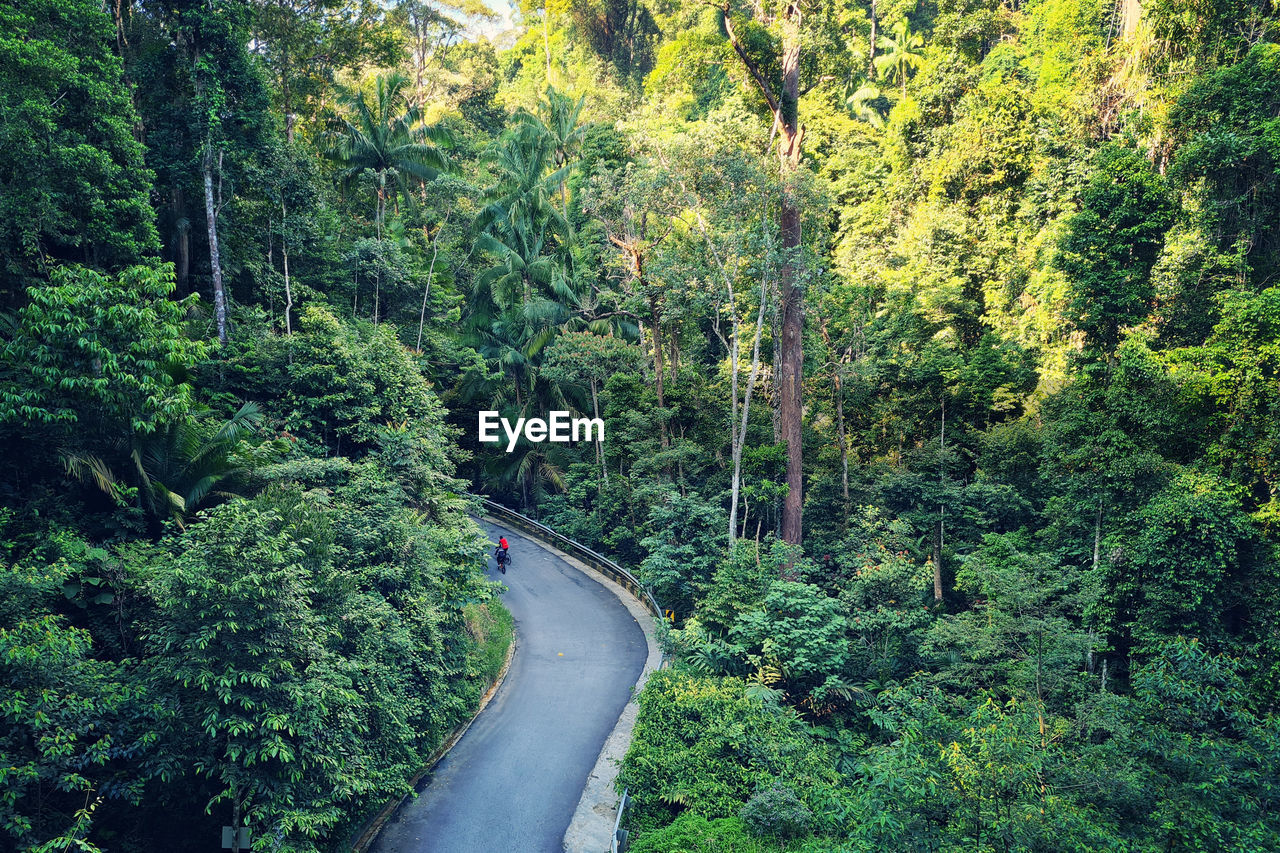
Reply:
x=513, y=781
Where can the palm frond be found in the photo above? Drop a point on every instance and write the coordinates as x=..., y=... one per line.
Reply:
x=89, y=468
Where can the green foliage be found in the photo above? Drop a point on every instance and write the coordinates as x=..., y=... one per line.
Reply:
x=240, y=643
x=704, y=746
x=802, y=632
x=73, y=185
x=305, y=642
x=1228, y=379
x=180, y=466
x=1181, y=570
x=583, y=359
x=681, y=558
x=339, y=384
x=621, y=31
x=1226, y=126
x=305, y=45
x=1021, y=638
x=693, y=833
x=105, y=352
x=1195, y=758
x=971, y=774
x=884, y=606
x=1111, y=245
x=776, y=812
x=738, y=586
x=493, y=629
x=77, y=729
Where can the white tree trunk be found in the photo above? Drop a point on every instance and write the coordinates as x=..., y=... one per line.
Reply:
x=595, y=410
x=284, y=251
x=215, y=263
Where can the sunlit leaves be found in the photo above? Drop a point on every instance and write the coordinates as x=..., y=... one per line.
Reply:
x=96, y=349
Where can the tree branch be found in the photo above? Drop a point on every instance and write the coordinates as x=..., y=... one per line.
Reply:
x=751, y=67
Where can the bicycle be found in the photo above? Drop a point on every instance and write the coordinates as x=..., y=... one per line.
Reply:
x=503, y=558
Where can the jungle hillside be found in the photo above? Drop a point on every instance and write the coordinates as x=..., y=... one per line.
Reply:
x=937, y=344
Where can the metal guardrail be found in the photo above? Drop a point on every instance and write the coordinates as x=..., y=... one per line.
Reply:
x=621, y=837
x=609, y=569
x=594, y=559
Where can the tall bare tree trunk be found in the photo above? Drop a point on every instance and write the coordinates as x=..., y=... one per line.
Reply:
x=844, y=443
x=775, y=398
x=658, y=368
x=785, y=103
x=837, y=393
x=284, y=251
x=183, y=229
x=937, y=557
x=235, y=819
x=942, y=509
x=740, y=432
x=426, y=290
x=871, y=42
x=791, y=381
x=1097, y=534
x=595, y=410
x=546, y=39
x=737, y=436
x=286, y=101
x=381, y=213
x=215, y=263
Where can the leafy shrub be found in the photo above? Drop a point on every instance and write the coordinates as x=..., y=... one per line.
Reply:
x=739, y=585
x=103, y=352
x=337, y=386
x=777, y=812
x=684, y=548
x=704, y=745
x=801, y=630
x=691, y=833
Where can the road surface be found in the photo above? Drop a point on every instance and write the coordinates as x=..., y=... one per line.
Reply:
x=513, y=781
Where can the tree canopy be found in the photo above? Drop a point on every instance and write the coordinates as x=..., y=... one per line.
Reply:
x=935, y=346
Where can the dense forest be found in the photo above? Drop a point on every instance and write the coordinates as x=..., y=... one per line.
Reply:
x=937, y=344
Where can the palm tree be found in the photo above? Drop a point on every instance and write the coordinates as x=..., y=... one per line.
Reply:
x=902, y=53
x=528, y=288
x=383, y=135
x=173, y=470
x=557, y=120
x=531, y=468
x=557, y=117
x=862, y=104
x=518, y=269
x=518, y=305
x=520, y=199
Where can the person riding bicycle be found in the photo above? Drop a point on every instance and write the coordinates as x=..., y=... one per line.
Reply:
x=500, y=554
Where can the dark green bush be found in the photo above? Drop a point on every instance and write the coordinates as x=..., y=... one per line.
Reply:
x=776, y=811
